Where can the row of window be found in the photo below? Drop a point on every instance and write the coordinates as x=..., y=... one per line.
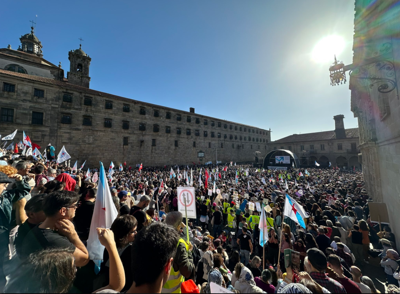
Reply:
x=322, y=146
x=176, y=144
x=88, y=101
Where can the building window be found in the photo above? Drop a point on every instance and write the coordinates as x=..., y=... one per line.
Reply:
x=168, y=115
x=235, y=137
x=153, y=142
x=67, y=97
x=7, y=115
x=126, y=141
x=156, y=113
x=219, y=135
x=245, y=129
x=176, y=143
x=225, y=136
x=189, y=119
x=194, y=143
x=142, y=127
x=125, y=125
x=107, y=123
x=212, y=123
x=16, y=68
x=225, y=126
x=240, y=138
x=222, y=145
x=235, y=128
x=209, y=144
x=230, y=127
x=219, y=124
x=38, y=93
x=212, y=134
x=142, y=111
x=109, y=104
x=322, y=146
x=339, y=146
x=205, y=134
x=249, y=130
x=230, y=137
x=257, y=132
x=37, y=118
x=311, y=147
x=301, y=147
x=178, y=117
x=253, y=131
x=353, y=146
x=66, y=119
x=249, y=139
x=257, y=140
x=87, y=121
x=196, y=133
x=8, y=87
x=126, y=108
x=87, y=101
x=240, y=129
x=156, y=128
x=167, y=130
x=178, y=131
x=205, y=122
x=197, y=120
x=253, y=139
x=188, y=132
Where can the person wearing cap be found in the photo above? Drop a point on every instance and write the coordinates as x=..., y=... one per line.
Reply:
x=50, y=152
x=389, y=263
x=316, y=264
x=123, y=198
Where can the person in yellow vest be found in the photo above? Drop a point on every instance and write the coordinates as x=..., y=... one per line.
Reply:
x=254, y=220
x=270, y=222
x=225, y=205
x=232, y=208
x=231, y=220
x=183, y=266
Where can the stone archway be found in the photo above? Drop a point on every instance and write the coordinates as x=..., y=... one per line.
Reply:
x=312, y=160
x=353, y=162
x=341, y=161
x=323, y=161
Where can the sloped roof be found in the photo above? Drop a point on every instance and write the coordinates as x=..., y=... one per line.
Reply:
x=319, y=136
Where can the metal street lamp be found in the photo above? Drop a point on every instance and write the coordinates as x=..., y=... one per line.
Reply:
x=337, y=73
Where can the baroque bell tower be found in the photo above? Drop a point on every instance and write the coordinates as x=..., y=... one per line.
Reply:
x=79, y=67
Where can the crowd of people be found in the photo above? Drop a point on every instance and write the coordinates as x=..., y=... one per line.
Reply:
x=46, y=213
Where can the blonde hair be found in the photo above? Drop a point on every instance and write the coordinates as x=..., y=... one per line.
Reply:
x=8, y=170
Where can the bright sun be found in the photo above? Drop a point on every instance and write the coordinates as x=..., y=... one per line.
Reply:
x=325, y=49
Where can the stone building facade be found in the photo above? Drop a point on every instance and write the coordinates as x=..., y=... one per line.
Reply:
x=96, y=126
x=340, y=147
x=375, y=99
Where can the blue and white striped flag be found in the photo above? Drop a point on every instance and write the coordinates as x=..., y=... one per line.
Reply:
x=104, y=214
x=263, y=228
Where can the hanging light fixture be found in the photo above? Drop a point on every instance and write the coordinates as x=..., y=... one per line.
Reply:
x=337, y=73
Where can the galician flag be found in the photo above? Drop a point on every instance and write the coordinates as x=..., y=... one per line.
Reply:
x=10, y=136
x=75, y=168
x=294, y=211
x=63, y=155
x=317, y=164
x=263, y=228
x=82, y=165
x=88, y=174
x=26, y=139
x=95, y=177
x=161, y=189
x=104, y=214
x=172, y=174
x=120, y=167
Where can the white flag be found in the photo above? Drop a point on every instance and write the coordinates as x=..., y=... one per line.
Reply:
x=95, y=177
x=63, y=156
x=104, y=214
x=44, y=154
x=317, y=164
x=29, y=152
x=286, y=185
x=191, y=177
x=10, y=136
x=263, y=228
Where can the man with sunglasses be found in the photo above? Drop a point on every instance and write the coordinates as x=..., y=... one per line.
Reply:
x=57, y=231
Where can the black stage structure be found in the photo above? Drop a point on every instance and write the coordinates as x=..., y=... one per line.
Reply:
x=269, y=160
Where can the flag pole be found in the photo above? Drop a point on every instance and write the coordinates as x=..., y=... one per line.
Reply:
x=280, y=239
x=187, y=225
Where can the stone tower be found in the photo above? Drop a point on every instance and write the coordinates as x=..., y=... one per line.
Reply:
x=79, y=67
x=339, y=126
x=31, y=44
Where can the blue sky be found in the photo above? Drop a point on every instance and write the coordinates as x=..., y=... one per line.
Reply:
x=244, y=61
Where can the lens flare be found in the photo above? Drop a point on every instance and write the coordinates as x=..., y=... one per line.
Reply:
x=328, y=47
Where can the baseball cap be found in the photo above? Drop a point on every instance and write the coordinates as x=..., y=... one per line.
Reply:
x=122, y=194
x=4, y=178
x=317, y=259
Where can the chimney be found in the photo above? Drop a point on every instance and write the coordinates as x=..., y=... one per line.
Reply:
x=191, y=109
x=339, y=126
